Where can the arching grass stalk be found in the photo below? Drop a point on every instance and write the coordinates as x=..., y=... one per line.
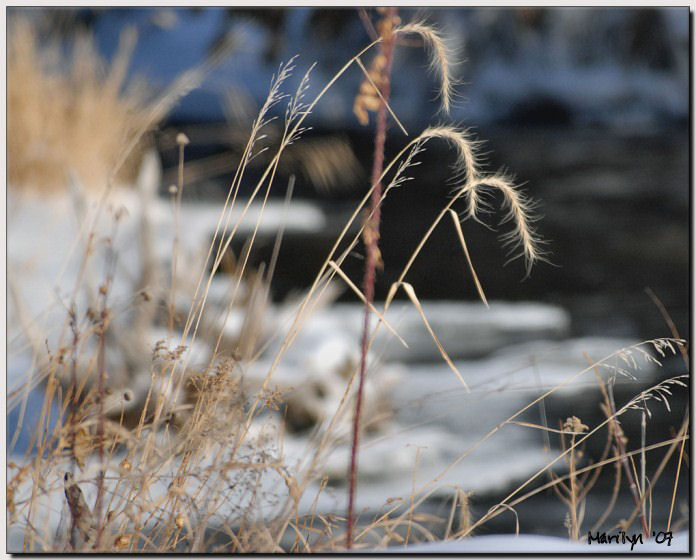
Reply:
x=371, y=239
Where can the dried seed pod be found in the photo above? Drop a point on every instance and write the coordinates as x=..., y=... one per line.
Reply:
x=123, y=541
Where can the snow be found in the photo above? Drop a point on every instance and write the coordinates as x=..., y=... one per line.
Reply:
x=465, y=329
x=531, y=544
x=419, y=459
x=46, y=237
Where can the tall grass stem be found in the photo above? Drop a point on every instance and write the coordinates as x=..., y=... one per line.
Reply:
x=372, y=258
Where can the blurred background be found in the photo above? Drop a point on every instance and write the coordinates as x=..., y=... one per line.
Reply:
x=587, y=107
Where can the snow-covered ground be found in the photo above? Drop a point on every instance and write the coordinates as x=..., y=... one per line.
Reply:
x=663, y=543
x=435, y=432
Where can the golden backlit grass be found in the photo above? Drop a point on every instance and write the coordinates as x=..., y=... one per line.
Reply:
x=68, y=111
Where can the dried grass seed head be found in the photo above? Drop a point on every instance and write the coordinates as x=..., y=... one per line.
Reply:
x=467, y=162
x=441, y=58
x=522, y=240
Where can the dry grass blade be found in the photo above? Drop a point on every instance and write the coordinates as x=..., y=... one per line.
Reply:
x=546, y=428
x=450, y=518
x=273, y=97
x=684, y=430
x=296, y=112
x=613, y=460
x=301, y=313
x=293, y=129
x=460, y=233
x=410, y=292
x=670, y=323
x=428, y=488
x=379, y=93
x=357, y=292
x=514, y=512
x=84, y=121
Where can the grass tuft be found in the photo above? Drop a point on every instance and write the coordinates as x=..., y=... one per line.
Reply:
x=69, y=112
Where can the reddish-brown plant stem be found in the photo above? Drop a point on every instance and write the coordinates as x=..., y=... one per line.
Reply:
x=372, y=257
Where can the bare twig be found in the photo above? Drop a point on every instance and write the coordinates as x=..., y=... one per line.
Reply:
x=684, y=429
x=82, y=518
x=104, y=319
x=621, y=447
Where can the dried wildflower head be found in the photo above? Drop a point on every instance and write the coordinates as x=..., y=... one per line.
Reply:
x=574, y=424
x=377, y=77
x=123, y=541
x=368, y=98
